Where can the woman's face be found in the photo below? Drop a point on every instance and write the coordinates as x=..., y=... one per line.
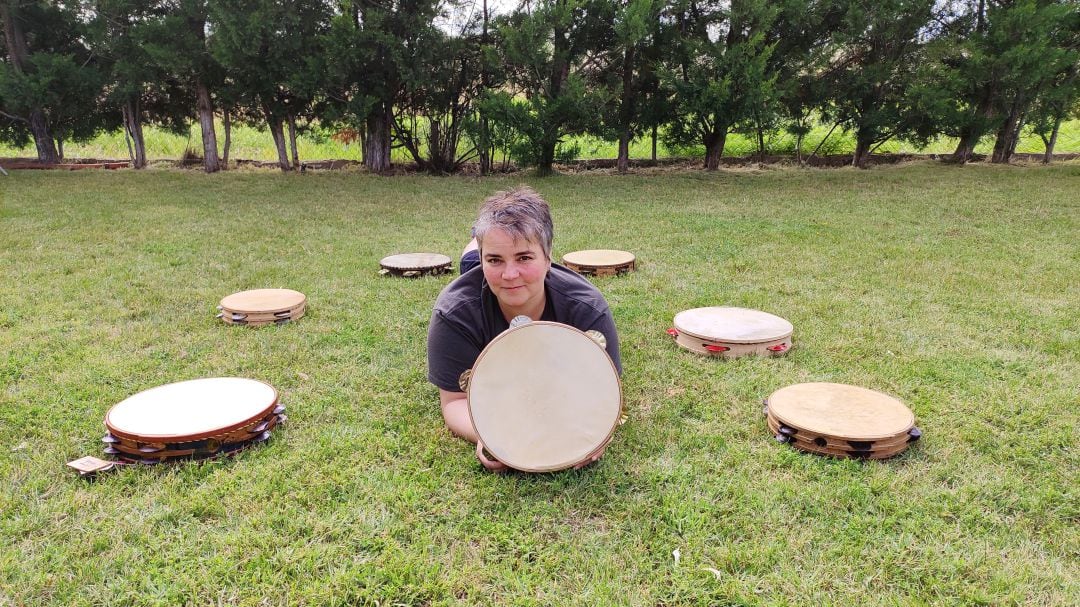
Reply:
x=515, y=271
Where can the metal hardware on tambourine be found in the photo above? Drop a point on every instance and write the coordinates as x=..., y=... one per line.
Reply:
x=598, y=337
x=519, y=321
x=463, y=380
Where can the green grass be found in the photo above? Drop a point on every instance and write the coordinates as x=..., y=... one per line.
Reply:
x=253, y=144
x=955, y=288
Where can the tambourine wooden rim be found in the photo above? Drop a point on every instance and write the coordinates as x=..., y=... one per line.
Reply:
x=600, y=262
x=546, y=400
x=840, y=411
x=191, y=410
x=415, y=264
x=263, y=301
x=821, y=442
x=261, y=319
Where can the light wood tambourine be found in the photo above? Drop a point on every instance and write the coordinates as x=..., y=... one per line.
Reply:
x=414, y=265
x=731, y=332
x=260, y=307
x=600, y=262
x=543, y=396
x=840, y=420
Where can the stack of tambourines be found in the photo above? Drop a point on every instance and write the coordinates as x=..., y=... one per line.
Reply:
x=731, y=332
x=840, y=420
x=260, y=307
x=192, y=419
x=415, y=265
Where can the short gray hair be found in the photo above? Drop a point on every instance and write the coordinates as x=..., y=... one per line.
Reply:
x=521, y=212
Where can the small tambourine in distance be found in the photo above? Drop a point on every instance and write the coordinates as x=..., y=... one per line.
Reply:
x=543, y=396
x=600, y=262
x=259, y=307
x=414, y=265
x=731, y=332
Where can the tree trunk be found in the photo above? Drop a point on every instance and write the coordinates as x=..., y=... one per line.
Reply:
x=628, y=108
x=863, y=143
x=275, y=126
x=227, y=124
x=761, y=143
x=714, y=148
x=292, y=140
x=1007, y=136
x=970, y=135
x=206, y=123
x=485, y=128
x=623, y=162
x=1048, y=156
x=377, y=139
x=545, y=166
x=60, y=148
x=654, y=143
x=133, y=127
x=127, y=133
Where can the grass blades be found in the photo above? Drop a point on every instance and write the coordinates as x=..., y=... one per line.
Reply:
x=954, y=288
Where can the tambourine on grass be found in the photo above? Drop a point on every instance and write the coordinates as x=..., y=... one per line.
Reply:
x=600, y=262
x=730, y=332
x=415, y=265
x=840, y=420
x=544, y=396
x=260, y=307
x=189, y=419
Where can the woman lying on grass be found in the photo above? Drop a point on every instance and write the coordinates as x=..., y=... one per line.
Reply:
x=508, y=274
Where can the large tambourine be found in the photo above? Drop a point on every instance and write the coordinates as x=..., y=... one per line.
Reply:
x=840, y=420
x=544, y=396
x=259, y=307
x=731, y=332
x=194, y=418
x=600, y=262
x=414, y=265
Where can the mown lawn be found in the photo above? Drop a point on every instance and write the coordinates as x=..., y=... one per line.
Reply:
x=955, y=288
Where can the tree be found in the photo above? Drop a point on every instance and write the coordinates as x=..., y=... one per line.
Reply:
x=720, y=70
x=548, y=48
x=50, y=82
x=176, y=41
x=371, y=45
x=873, y=56
x=270, y=52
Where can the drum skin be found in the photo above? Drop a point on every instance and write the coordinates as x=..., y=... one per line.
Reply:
x=263, y=301
x=544, y=396
x=191, y=410
x=840, y=411
x=731, y=332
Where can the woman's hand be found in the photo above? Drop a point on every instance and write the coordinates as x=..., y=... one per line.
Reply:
x=490, y=463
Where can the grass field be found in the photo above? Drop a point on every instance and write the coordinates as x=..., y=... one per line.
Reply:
x=253, y=144
x=955, y=288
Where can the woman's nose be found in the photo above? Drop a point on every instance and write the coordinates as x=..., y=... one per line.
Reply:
x=510, y=270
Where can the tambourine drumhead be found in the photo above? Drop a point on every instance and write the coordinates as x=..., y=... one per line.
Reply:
x=544, y=396
x=840, y=411
x=414, y=261
x=732, y=325
x=191, y=410
x=263, y=301
x=599, y=258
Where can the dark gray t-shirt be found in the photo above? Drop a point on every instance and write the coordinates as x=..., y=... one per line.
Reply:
x=467, y=317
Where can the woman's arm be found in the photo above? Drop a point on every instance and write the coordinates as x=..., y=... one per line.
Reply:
x=455, y=410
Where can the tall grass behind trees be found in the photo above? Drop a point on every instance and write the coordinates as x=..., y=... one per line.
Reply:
x=250, y=143
x=954, y=288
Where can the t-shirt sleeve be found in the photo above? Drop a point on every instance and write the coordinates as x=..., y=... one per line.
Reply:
x=450, y=352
